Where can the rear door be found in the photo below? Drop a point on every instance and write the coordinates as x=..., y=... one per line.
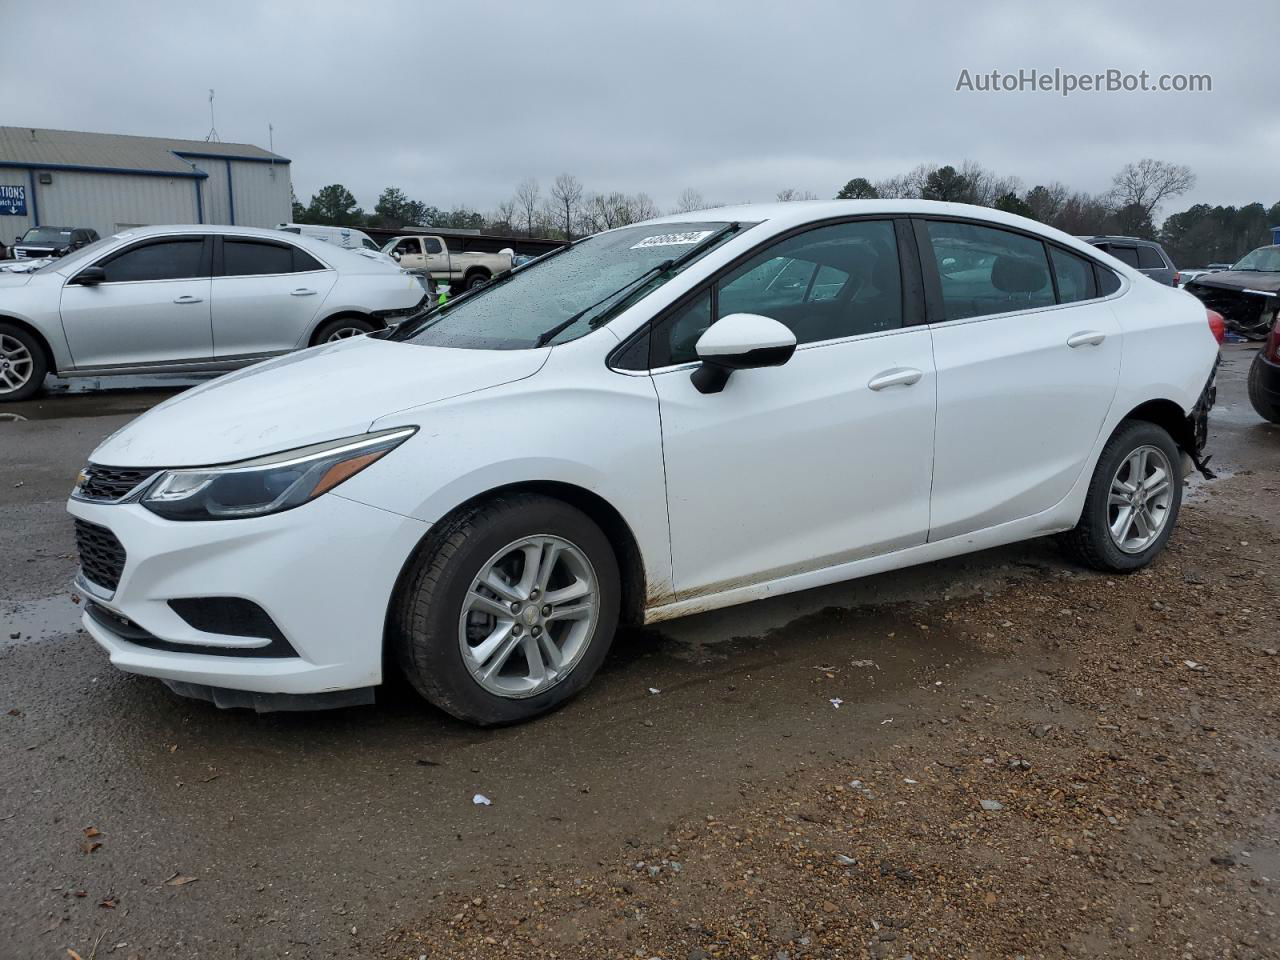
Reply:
x=266, y=295
x=152, y=309
x=1028, y=361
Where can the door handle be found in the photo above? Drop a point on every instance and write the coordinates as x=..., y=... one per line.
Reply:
x=188, y=299
x=1089, y=338
x=897, y=377
x=302, y=292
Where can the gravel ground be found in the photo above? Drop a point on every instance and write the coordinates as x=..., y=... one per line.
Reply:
x=1110, y=794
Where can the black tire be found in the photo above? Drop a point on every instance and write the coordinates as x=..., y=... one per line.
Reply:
x=425, y=613
x=36, y=368
x=476, y=280
x=1090, y=542
x=1258, y=396
x=330, y=327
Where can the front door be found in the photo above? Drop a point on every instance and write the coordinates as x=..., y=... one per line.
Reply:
x=1026, y=376
x=153, y=307
x=821, y=461
x=266, y=295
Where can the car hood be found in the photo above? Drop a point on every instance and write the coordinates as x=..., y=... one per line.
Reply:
x=1241, y=280
x=326, y=393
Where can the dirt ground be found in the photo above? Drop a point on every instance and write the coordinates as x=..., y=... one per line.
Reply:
x=1107, y=790
x=996, y=756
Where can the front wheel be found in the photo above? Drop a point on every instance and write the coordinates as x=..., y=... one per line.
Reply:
x=1133, y=500
x=509, y=610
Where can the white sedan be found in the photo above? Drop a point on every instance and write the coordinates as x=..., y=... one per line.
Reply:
x=189, y=299
x=658, y=420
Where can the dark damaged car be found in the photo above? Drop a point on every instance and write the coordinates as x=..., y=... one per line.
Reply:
x=1247, y=295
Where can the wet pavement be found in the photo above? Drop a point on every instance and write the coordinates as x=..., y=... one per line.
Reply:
x=313, y=835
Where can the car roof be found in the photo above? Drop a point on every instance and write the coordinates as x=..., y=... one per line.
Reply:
x=782, y=215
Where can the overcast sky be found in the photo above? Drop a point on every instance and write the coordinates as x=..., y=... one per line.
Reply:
x=456, y=102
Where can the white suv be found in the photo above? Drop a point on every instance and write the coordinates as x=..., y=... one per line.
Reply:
x=658, y=420
x=189, y=299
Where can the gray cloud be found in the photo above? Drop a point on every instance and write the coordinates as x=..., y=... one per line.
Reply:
x=457, y=102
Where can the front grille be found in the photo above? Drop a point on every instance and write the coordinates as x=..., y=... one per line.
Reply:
x=111, y=483
x=102, y=556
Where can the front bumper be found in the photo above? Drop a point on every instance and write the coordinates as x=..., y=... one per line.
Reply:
x=324, y=573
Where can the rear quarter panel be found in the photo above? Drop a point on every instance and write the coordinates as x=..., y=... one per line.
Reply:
x=1169, y=350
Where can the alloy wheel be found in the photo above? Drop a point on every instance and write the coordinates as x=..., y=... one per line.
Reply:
x=528, y=616
x=343, y=333
x=16, y=364
x=1139, y=499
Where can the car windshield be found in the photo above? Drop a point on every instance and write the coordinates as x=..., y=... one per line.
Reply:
x=592, y=278
x=47, y=235
x=77, y=257
x=1265, y=259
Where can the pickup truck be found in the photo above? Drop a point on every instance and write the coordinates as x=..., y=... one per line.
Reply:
x=429, y=255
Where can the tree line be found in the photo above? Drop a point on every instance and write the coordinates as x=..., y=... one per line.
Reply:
x=566, y=210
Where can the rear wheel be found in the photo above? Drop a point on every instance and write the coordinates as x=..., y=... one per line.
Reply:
x=1262, y=400
x=22, y=364
x=1133, y=500
x=341, y=328
x=509, y=611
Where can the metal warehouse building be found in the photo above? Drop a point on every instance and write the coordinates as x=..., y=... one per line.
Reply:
x=110, y=182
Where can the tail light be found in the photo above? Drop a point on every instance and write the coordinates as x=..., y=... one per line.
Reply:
x=1272, y=349
x=1218, y=325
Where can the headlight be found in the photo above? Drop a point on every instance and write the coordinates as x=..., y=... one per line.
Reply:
x=254, y=488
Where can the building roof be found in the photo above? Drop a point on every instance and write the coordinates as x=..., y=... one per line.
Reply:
x=62, y=149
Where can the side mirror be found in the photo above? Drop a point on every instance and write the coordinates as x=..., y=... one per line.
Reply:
x=740, y=341
x=89, y=277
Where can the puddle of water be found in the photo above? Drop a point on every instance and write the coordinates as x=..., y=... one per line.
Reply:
x=36, y=620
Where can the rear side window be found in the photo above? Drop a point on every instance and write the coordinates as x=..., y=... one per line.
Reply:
x=986, y=270
x=1108, y=282
x=1075, y=276
x=1149, y=259
x=1127, y=255
x=244, y=258
x=163, y=260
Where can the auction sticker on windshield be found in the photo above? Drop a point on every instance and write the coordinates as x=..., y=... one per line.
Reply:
x=673, y=239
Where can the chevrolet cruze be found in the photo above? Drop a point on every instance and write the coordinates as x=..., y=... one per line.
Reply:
x=665, y=418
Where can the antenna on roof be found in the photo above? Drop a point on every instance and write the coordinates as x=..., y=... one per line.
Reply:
x=212, y=135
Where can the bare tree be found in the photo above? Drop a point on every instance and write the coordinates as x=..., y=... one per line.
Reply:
x=528, y=193
x=689, y=199
x=1149, y=182
x=504, y=216
x=791, y=193
x=566, y=194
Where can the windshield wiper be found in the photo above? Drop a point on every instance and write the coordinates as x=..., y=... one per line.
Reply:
x=549, y=335
x=413, y=324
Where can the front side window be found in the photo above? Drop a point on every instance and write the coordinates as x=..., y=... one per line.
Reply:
x=825, y=284
x=986, y=270
x=1075, y=276
x=162, y=260
x=246, y=258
